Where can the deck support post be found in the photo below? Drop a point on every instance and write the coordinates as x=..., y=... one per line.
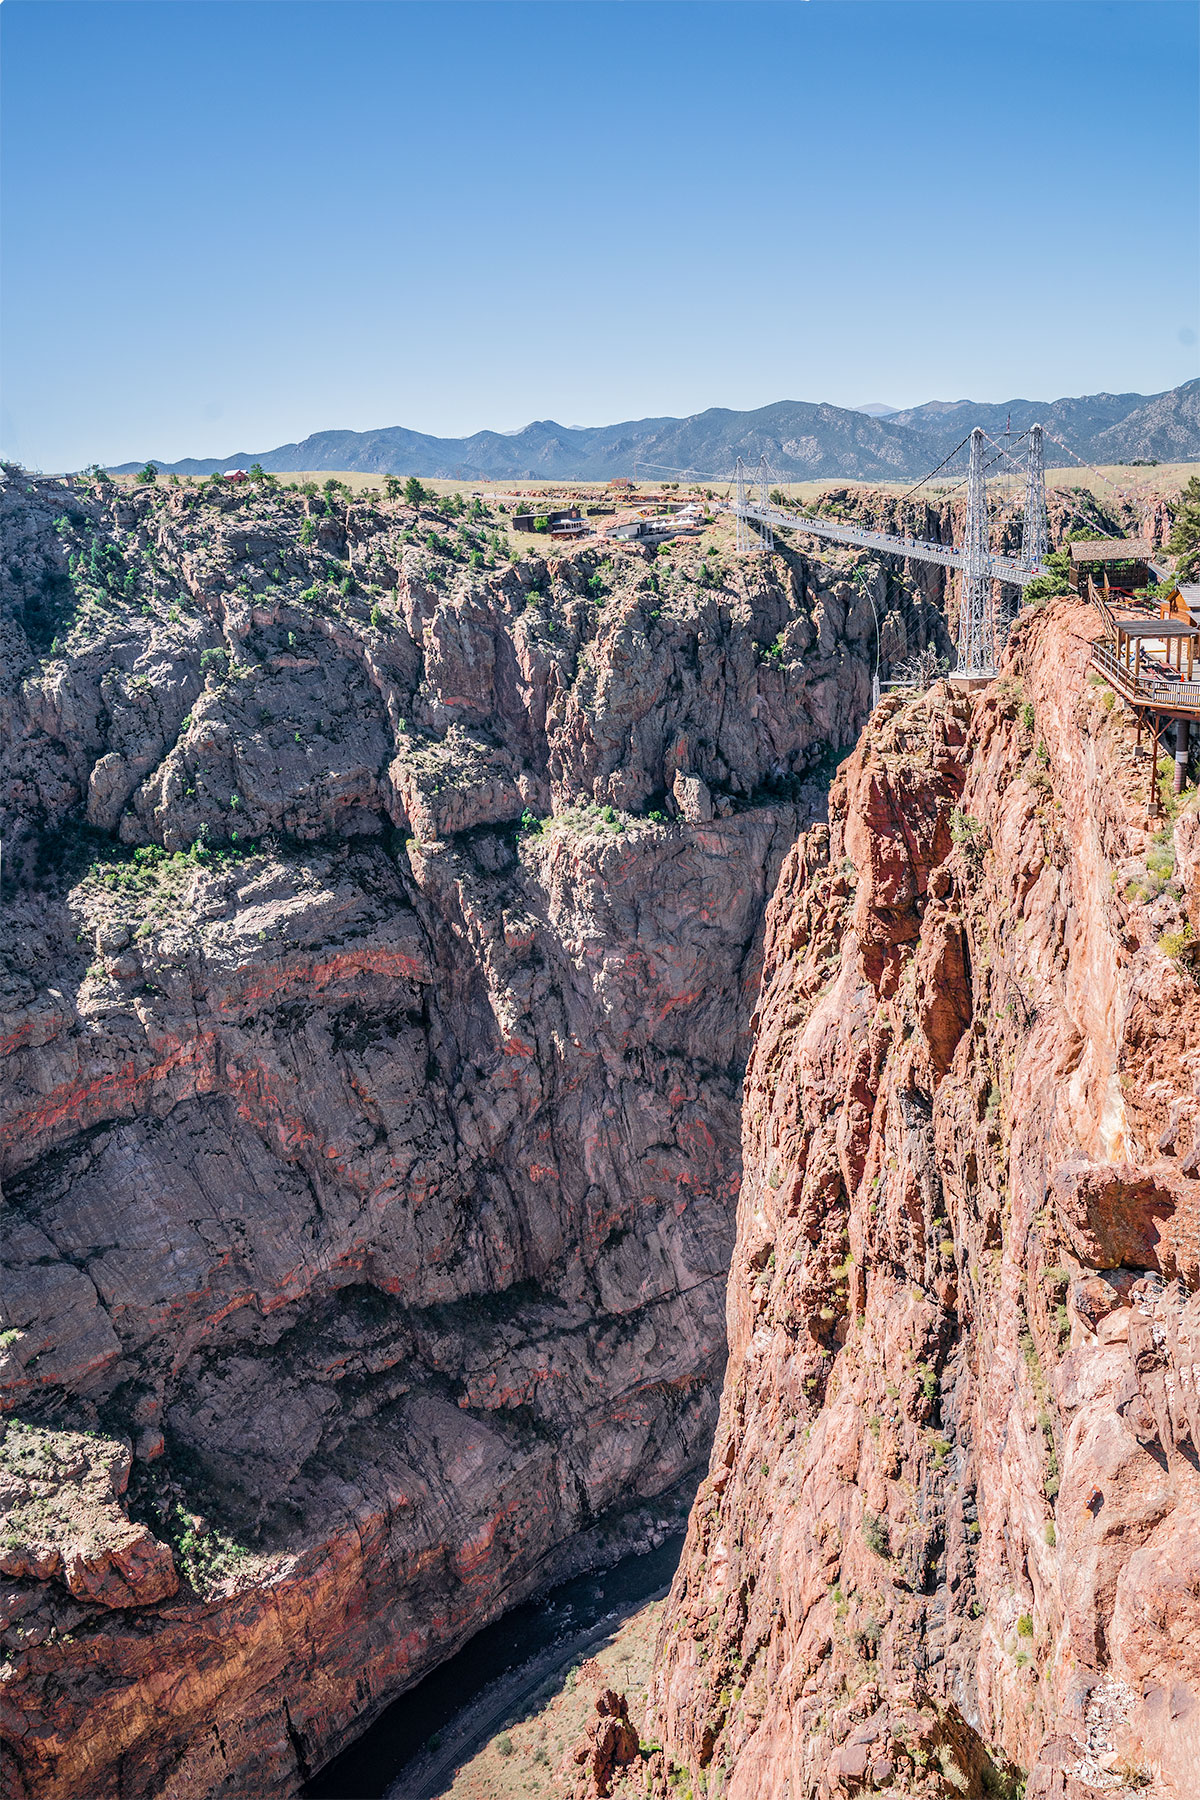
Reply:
x=1155, y=804
x=1182, y=735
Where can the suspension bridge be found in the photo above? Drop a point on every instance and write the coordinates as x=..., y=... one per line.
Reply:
x=981, y=627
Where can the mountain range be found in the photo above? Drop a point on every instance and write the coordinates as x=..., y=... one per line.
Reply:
x=802, y=440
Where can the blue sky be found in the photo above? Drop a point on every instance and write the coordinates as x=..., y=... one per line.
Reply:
x=228, y=224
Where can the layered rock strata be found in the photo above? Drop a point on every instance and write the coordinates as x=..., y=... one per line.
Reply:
x=949, y=1530
x=382, y=924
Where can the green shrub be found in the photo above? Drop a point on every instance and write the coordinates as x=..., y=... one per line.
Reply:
x=1178, y=944
x=1025, y=1626
x=1043, y=588
x=1160, y=859
x=875, y=1534
x=967, y=834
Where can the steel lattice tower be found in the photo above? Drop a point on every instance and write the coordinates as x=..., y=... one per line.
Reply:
x=976, y=651
x=764, y=500
x=743, y=530
x=1033, y=531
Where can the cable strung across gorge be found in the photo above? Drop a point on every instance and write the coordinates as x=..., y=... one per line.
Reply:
x=1093, y=470
x=947, y=492
x=925, y=479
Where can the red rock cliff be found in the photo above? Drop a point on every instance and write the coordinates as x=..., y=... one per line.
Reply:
x=949, y=1531
x=382, y=923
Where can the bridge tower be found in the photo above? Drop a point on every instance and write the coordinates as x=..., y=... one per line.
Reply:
x=976, y=651
x=743, y=529
x=1033, y=532
x=764, y=500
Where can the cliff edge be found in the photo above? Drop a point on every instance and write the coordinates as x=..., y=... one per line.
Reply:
x=948, y=1537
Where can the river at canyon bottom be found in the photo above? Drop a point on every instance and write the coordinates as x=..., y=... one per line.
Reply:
x=413, y=1748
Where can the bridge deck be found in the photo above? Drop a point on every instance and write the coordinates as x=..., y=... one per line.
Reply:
x=1003, y=568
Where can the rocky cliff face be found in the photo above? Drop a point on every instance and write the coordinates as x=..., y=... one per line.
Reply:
x=382, y=923
x=949, y=1529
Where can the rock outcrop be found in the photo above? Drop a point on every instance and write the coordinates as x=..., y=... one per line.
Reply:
x=948, y=1532
x=382, y=924
x=609, y=1744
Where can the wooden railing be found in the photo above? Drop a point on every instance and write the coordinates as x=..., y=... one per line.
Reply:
x=1164, y=692
x=1105, y=598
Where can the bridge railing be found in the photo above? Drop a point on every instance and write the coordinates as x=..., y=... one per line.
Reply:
x=1003, y=568
x=854, y=534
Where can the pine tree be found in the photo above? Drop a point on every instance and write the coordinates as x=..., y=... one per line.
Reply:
x=1184, y=541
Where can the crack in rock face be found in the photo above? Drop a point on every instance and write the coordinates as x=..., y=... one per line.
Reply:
x=382, y=925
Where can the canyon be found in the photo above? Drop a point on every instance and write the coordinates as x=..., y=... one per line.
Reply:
x=382, y=930
x=389, y=923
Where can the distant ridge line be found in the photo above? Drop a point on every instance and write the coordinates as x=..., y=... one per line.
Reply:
x=803, y=440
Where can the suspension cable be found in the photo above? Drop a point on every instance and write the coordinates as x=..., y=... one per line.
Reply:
x=1004, y=451
x=987, y=465
x=1091, y=468
x=927, y=478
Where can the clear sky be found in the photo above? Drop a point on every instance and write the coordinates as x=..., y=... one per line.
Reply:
x=229, y=223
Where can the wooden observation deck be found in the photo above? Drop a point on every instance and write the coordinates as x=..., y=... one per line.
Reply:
x=1148, y=656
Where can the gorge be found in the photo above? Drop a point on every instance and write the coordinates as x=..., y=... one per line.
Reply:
x=384, y=933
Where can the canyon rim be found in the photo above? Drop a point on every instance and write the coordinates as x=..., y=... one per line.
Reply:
x=390, y=922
